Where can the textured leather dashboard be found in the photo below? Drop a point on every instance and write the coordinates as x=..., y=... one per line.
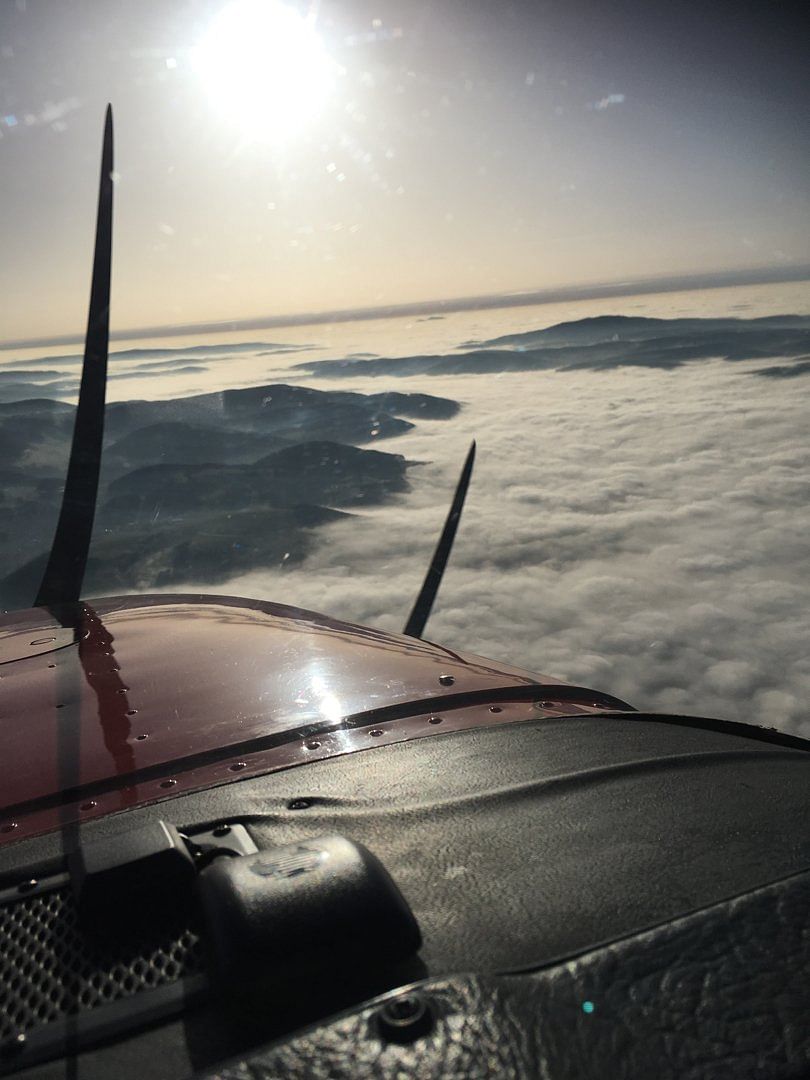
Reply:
x=721, y=994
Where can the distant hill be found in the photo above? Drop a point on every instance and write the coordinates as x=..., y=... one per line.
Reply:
x=198, y=547
x=600, y=343
x=203, y=486
x=313, y=472
x=187, y=443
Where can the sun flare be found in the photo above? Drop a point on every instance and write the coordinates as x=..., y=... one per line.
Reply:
x=265, y=67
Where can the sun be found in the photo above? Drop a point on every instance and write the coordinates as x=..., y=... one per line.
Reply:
x=265, y=68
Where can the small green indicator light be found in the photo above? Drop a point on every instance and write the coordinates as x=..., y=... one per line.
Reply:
x=588, y=1007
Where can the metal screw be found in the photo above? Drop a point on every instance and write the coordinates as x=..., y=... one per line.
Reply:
x=544, y=704
x=299, y=804
x=237, y=766
x=447, y=680
x=375, y=733
x=90, y=805
x=222, y=830
x=434, y=719
x=27, y=886
x=168, y=783
x=405, y=1018
x=9, y=826
x=313, y=744
x=13, y=1046
x=495, y=708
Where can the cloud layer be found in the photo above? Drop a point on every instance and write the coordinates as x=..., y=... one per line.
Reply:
x=641, y=531
x=638, y=519
x=597, y=344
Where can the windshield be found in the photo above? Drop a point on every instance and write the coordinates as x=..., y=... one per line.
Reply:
x=350, y=238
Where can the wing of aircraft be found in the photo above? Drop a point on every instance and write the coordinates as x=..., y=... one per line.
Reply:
x=241, y=839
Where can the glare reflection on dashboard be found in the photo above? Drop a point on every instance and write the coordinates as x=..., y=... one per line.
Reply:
x=327, y=704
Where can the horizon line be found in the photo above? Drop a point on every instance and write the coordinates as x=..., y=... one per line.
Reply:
x=488, y=301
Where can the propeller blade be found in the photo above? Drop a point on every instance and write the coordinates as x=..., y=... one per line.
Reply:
x=415, y=625
x=64, y=573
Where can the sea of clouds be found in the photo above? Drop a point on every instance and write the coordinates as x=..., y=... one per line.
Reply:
x=642, y=531
x=638, y=520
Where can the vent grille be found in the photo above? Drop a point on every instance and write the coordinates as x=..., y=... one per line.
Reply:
x=49, y=969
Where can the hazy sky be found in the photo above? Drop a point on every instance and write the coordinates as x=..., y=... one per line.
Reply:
x=386, y=152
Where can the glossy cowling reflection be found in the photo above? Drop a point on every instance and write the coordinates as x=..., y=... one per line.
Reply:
x=135, y=699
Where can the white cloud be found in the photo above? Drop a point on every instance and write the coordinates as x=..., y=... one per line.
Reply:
x=641, y=531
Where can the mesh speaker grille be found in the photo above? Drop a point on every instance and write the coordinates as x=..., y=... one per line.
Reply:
x=49, y=969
